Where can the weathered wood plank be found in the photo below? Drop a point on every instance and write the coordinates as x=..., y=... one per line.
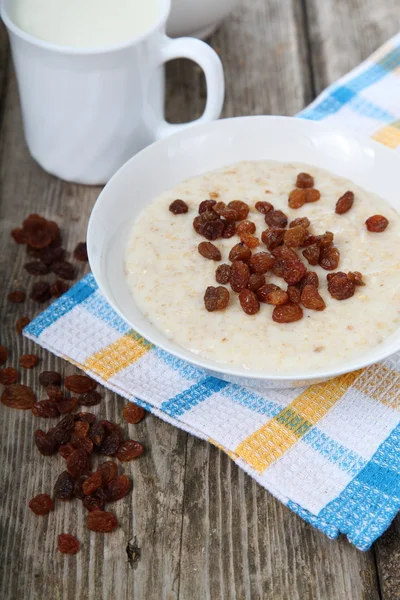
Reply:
x=30, y=565
x=342, y=34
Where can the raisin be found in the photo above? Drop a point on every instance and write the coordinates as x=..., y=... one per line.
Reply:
x=287, y=313
x=67, y=544
x=40, y=291
x=209, y=215
x=356, y=276
x=212, y=230
x=41, y=504
x=222, y=274
x=229, y=229
x=97, y=434
x=216, y=298
x=133, y=413
x=80, y=252
x=377, y=223
x=312, y=195
x=224, y=211
x=85, y=416
x=310, y=298
x=91, y=503
x=311, y=254
x=256, y=280
x=240, y=275
x=309, y=239
x=8, y=376
x=50, y=255
x=294, y=294
x=276, y=218
x=111, y=443
x=21, y=323
x=108, y=471
x=39, y=237
x=28, y=361
x=47, y=378
x=101, y=521
x=91, y=398
x=36, y=267
x=45, y=409
x=59, y=436
x=277, y=267
x=77, y=463
x=304, y=180
x=78, y=483
x=302, y=221
x=67, y=423
x=297, y=198
x=18, y=396
x=111, y=427
x=118, y=488
x=261, y=262
x=340, y=286
x=67, y=405
x=32, y=221
x=295, y=236
x=250, y=241
x=129, y=450
x=44, y=443
x=19, y=235
x=263, y=207
x=293, y=271
x=329, y=257
x=198, y=225
x=206, y=205
x=178, y=207
x=344, y=203
x=55, y=234
x=284, y=252
x=273, y=237
x=272, y=294
x=326, y=239
x=310, y=278
x=91, y=484
x=209, y=251
x=246, y=227
x=66, y=449
x=79, y=384
x=54, y=392
x=81, y=428
x=3, y=355
x=16, y=297
x=240, y=252
x=82, y=443
x=64, y=269
x=64, y=486
x=241, y=209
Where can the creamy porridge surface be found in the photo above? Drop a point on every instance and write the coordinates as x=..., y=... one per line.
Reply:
x=168, y=277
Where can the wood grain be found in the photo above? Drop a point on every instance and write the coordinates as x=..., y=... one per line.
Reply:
x=203, y=528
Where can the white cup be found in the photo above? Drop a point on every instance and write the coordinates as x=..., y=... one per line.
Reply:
x=87, y=111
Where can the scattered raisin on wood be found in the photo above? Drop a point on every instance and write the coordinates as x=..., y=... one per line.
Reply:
x=16, y=297
x=80, y=252
x=21, y=323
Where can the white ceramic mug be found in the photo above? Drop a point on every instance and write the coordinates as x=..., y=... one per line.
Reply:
x=87, y=111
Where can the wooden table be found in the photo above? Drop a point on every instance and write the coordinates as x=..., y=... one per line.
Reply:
x=206, y=531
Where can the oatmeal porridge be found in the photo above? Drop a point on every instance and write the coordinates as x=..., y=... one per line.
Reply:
x=260, y=291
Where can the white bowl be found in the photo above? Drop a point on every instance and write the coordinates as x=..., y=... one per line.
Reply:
x=207, y=147
x=197, y=18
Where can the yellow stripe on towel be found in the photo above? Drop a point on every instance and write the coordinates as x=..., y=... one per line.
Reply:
x=281, y=433
x=117, y=356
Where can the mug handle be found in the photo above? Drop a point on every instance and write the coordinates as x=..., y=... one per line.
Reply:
x=202, y=54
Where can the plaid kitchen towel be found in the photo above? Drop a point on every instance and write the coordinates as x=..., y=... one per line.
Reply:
x=330, y=452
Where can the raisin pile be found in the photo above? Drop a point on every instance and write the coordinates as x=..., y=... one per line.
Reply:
x=290, y=248
x=43, y=240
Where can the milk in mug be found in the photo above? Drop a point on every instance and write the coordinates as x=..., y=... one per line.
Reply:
x=85, y=23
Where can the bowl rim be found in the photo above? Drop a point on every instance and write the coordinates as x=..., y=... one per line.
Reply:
x=220, y=369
